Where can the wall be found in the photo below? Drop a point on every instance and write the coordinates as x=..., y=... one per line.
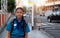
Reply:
x=3, y=19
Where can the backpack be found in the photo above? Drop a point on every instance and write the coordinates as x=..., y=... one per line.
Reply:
x=23, y=26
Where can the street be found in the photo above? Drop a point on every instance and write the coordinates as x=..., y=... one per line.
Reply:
x=42, y=17
x=51, y=28
x=48, y=30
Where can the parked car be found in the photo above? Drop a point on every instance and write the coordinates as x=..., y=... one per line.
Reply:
x=53, y=18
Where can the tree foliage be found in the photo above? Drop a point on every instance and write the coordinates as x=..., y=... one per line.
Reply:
x=11, y=5
x=25, y=9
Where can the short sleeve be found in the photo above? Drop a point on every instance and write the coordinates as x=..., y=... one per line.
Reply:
x=27, y=28
x=8, y=28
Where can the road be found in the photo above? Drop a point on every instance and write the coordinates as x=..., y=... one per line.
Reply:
x=51, y=28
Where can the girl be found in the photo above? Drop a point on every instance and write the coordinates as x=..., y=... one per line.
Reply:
x=19, y=28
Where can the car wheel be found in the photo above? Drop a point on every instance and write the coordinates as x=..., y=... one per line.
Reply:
x=49, y=20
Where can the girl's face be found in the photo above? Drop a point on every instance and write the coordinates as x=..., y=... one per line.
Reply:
x=19, y=13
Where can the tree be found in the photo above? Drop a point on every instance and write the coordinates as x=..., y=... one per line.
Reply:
x=25, y=9
x=11, y=5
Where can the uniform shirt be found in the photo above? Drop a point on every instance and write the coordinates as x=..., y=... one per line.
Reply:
x=15, y=30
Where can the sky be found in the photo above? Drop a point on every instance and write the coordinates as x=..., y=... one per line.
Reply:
x=31, y=2
x=37, y=2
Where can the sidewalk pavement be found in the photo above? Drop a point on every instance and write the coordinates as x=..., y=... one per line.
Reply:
x=37, y=34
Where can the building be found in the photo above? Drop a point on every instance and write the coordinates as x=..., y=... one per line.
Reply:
x=51, y=6
x=19, y=3
x=3, y=13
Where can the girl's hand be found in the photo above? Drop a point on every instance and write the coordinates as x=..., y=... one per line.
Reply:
x=26, y=35
x=8, y=34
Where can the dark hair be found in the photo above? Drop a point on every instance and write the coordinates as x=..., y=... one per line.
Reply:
x=20, y=9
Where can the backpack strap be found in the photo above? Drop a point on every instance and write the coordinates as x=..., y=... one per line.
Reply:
x=24, y=27
x=12, y=26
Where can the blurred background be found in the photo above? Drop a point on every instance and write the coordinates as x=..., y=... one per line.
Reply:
x=43, y=17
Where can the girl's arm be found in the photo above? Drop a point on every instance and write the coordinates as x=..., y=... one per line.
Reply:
x=8, y=34
x=26, y=35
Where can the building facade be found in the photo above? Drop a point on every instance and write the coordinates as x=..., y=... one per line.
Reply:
x=51, y=6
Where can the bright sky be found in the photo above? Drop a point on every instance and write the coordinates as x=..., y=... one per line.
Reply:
x=27, y=2
x=39, y=2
